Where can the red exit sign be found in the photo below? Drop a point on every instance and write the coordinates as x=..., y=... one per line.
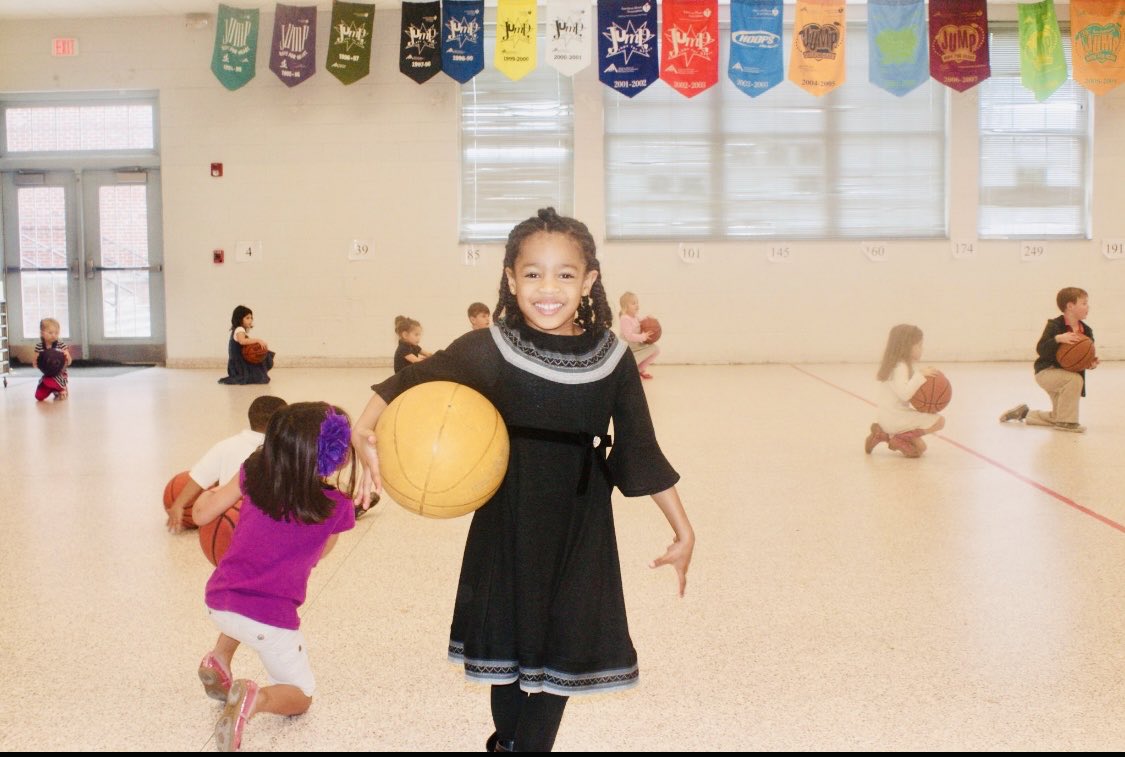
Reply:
x=64, y=47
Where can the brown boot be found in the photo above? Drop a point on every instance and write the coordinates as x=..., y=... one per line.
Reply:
x=875, y=438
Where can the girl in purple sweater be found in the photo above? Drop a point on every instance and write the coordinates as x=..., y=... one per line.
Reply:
x=290, y=518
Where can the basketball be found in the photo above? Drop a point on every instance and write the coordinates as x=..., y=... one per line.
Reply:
x=1078, y=356
x=215, y=536
x=934, y=395
x=443, y=449
x=652, y=326
x=172, y=490
x=51, y=362
x=254, y=353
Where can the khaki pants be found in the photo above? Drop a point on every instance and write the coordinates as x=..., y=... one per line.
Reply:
x=1065, y=389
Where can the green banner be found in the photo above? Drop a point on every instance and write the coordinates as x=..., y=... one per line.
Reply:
x=349, y=44
x=1042, y=65
x=236, y=46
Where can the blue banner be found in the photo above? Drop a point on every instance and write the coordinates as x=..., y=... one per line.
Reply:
x=628, y=56
x=756, y=53
x=462, y=38
x=897, y=45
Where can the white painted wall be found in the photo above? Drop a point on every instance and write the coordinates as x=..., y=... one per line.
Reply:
x=310, y=168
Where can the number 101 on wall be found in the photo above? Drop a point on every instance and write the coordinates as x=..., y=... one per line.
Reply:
x=1114, y=249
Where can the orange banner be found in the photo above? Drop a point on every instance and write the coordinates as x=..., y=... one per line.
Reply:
x=817, y=61
x=1097, y=58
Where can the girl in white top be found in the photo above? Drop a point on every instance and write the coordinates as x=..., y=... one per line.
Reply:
x=899, y=424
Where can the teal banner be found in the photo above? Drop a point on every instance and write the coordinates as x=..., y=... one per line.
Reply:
x=236, y=46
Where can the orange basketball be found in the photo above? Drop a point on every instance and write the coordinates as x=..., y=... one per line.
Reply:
x=254, y=353
x=652, y=326
x=172, y=490
x=934, y=395
x=1078, y=356
x=215, y=536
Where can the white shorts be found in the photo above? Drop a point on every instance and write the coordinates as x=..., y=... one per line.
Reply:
x=283, y=651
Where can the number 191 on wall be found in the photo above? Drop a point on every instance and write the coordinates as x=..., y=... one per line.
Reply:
x=1114, y=249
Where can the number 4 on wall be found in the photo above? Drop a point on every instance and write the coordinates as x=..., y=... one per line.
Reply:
x=248, y=252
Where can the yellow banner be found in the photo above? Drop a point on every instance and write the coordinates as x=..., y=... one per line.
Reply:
x=515, y=38
x=817, y=61
x=1096, y=54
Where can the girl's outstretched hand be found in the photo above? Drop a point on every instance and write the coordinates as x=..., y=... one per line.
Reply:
x=678, y=555
x=369, y=481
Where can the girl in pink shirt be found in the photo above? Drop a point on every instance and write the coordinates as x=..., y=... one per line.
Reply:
x=643, y=352
x=290, y=518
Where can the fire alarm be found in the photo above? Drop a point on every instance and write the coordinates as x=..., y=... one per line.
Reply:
x=216, y=169
x=218, y=256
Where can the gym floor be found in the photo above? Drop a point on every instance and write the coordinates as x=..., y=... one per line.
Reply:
x=969, y=600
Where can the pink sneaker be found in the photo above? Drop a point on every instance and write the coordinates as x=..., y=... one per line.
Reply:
x=240, y=706
x=904, y=443
x=216, y=680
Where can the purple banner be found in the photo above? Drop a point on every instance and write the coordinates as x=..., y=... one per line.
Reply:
x=293, y=50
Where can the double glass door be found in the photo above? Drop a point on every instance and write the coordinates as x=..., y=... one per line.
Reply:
x=85, y=248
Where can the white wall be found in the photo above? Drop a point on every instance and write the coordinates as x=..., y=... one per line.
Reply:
x=310, y=168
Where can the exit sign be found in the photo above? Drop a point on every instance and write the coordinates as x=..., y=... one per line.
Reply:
x=64, y=47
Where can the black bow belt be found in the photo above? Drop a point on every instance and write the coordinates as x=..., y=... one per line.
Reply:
x=595, y=445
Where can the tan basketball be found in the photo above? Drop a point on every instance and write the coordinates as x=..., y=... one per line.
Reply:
x=443, y=449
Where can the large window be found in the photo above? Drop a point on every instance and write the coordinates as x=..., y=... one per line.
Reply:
x=856, y=163
x=517, y=148
x=40, y=126
x=1035, y=158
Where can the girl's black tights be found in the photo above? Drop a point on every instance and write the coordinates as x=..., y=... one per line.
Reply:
x=530, y=720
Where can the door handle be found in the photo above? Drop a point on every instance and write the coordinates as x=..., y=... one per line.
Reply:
x=90, y=269
x=158, y=268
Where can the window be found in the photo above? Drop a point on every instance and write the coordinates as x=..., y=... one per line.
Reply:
x=856, y=163
x=517, y=148
x=40, y=127
x=1035, y=157
x=43, y=258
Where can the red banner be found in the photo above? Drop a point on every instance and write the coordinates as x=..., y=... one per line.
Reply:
x=689, y=50
x=959, y=43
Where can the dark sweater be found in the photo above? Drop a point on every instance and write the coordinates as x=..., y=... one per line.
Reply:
x=1048, y=347
x=404, y=349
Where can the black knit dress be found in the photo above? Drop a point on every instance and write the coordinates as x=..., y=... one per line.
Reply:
x=539, y=599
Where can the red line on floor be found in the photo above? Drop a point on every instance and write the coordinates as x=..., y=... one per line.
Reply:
x=1030, y=482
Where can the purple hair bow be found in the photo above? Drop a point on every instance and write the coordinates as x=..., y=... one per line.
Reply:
x=333, y=444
